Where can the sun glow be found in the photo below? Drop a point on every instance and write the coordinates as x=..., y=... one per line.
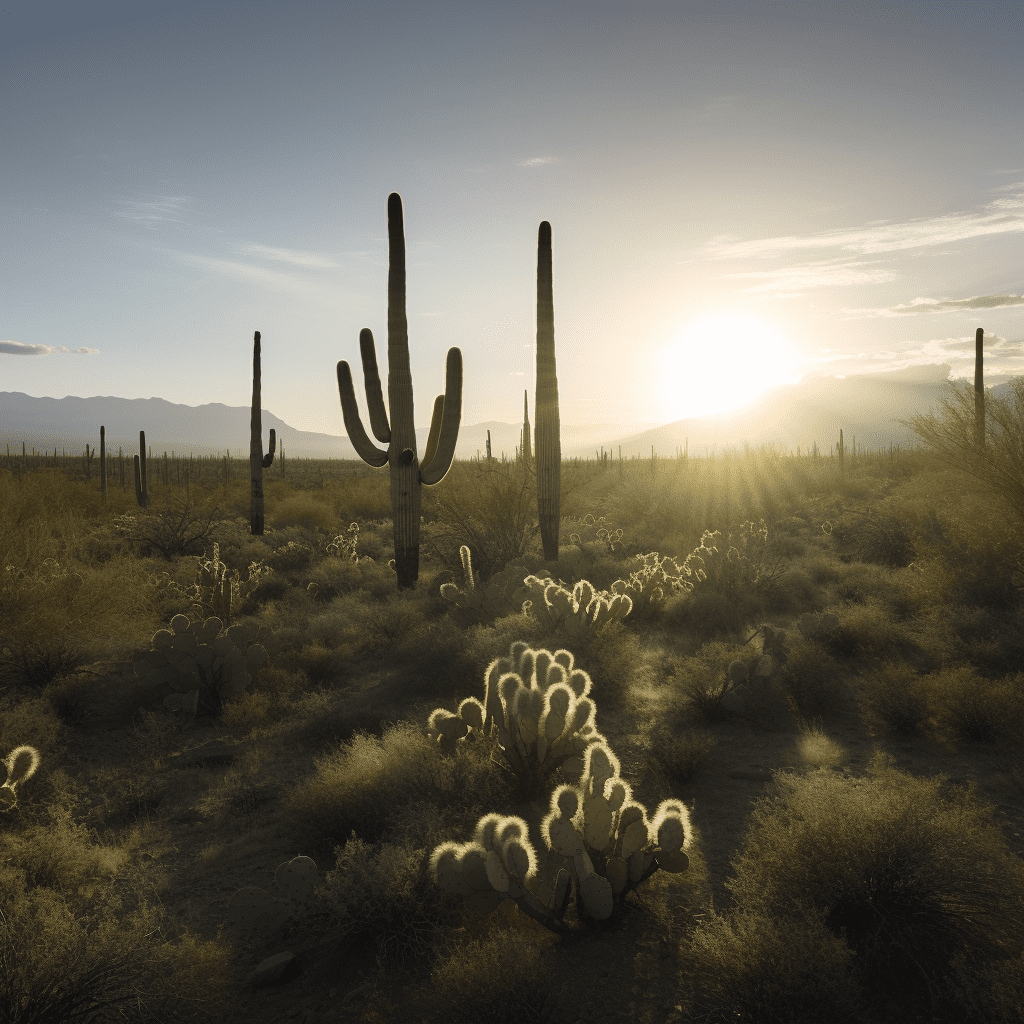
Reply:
x=720, y=362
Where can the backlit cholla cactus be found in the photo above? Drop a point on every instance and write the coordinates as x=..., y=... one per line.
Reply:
x=344, y=545
x=652, y=582
x=253, y=907
x=220, y=592
x=500, y=863
x=21, y=764
x=579, y=610
x=613, y=845
x=536, y=703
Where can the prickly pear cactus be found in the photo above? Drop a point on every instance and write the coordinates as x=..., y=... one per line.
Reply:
x=650, y=584
x=252, y=907
x=582, y=609
x=204, y=664
x=344, y=545
x=473, y=603
x=536, y=704
x=500, y=863
x=20, y=764
x=608, y=836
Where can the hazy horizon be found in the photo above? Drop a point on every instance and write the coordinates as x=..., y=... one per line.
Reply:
x=842, y=192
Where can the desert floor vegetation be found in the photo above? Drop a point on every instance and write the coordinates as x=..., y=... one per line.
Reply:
x=828, y=678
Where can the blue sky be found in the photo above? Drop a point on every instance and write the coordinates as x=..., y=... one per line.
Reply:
x=837, y=186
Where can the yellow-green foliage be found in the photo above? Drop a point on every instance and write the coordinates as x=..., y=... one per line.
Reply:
x=303, y=508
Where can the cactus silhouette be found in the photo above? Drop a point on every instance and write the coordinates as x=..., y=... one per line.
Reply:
x=103, y=462
x=525, y=446
x=407, y=474
x=141, y=491
x=21, y=764
x=979, y=387
x=549, y=445
x=257, y=460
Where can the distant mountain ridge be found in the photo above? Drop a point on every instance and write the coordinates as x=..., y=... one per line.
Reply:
x=864, y=406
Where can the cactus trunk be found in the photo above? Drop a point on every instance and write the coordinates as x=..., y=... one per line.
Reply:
x=548, y=441
x=407, y=473
x=103, y=462
x=141, y=489
x=525, y=448
x=257, y=460
x=979, y=387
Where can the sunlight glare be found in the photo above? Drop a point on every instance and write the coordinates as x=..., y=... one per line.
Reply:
x=720, y=362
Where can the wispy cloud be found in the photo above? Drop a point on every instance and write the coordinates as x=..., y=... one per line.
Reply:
x=151, y=213
x=926, y=305
x=17, y=348
x=537, y=161
x=794, y=281
x=247, y=273
x=293, y=256
x=1003, y=215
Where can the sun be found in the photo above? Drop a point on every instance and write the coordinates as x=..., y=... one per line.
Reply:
x=721, y=361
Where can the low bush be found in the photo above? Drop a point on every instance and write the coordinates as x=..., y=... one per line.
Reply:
x=969, y=707
x=894, y=698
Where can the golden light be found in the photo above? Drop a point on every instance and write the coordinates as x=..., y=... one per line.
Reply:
x=720, y=362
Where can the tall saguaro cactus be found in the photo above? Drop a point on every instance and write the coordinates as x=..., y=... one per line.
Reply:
x=103, y=462
x=525, y=447
x=399, y=433
x=548, y=444
x=979, y=387
x=257, y=460
x=141, y=489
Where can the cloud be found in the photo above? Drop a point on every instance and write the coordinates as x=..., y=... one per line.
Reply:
x=926, y=305
x=151, y=213
x=792, y=282
x=17, y=348
x=537, y=161
x=301, y=259
x=1003, y=215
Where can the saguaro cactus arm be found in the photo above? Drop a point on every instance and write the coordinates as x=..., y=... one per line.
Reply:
x=365, y=448
x=444, y=423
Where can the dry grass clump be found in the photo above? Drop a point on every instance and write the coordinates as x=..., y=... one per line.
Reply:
x=364, y=784
x=302, y=508
x=750, y=966
x=467, y=989
x=817, y=749
x=918, y=882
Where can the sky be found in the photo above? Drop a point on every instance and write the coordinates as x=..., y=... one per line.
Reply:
x=739, y=194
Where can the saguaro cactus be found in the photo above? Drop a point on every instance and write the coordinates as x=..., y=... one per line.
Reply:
x=549, y=445
x=525, y=448
x=141, y=491
x=407, y=474
x=979, y=387
x=257, y=460
x=103, y=462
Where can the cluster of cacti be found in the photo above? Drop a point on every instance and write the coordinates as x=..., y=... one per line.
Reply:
x=253, y=907
x=613, y=844
x=581, y=609
x=737, y=566
x=344, y=545
x=257, y=460
x=475, y=603
x=609, y=538
x=500, y=863
x=217, y=591
x=408, y=475
x=204, y=664
x=648, y=586
x=536, y=704
x=21, y=764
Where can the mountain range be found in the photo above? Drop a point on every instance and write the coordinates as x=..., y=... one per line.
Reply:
x=791, y=416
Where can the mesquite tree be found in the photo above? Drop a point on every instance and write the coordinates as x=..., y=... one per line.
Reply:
x=399, y=432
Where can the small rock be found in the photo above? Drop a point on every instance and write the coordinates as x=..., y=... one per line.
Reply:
x=276, y=970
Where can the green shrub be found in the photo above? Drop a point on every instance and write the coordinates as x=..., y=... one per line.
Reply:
x=894, y=698
x=970, y=707
x=915, y=880
x=302, y=508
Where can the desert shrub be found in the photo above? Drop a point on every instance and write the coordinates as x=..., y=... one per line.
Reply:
x=291, y=558
x=795, y=593
x=30, y=721
x=678, y=757
x=969, y=707
x=894, y=698
x=816, y=748
x=173, y=528
x=914, y=879
x=466, y=985
x=706, y=614
x=361, y=784
x=811, y=677
x=753, y=967
x=302, y=508
x=36, y=661
x=879, y=537
x=382, y=899
x=867, y=632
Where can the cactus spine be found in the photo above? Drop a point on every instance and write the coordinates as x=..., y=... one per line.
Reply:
x=257, y=460
x=103, y=462
x=141, y=490
x=549, y=448
x=407, y=474
x=979, y=387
